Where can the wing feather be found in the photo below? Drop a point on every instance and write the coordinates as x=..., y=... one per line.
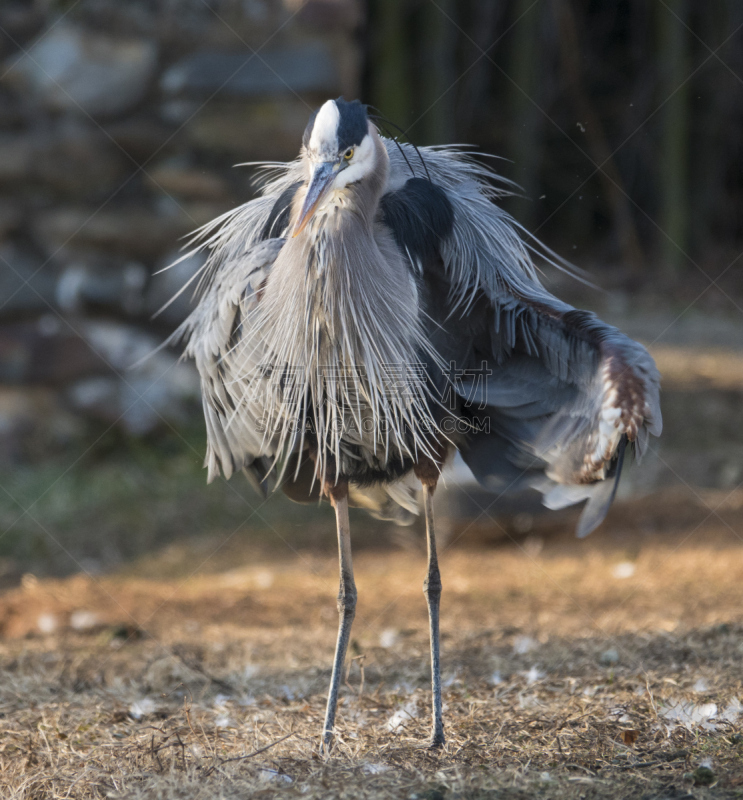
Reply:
x=226, y=363
x=562, y=391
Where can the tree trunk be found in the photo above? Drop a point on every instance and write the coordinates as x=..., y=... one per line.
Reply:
x=526, y=120
x=674, y=168
x=436, y=58
x=597, y=142
x=391, y=86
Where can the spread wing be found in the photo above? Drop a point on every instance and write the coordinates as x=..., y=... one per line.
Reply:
x=553, y=394
x=566, y=393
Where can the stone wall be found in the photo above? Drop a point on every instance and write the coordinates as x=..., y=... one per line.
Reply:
x=120, y=123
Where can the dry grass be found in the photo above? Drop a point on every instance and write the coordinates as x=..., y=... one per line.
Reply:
x=559, y=674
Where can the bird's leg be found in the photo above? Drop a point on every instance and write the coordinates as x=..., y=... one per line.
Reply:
x=338, y=494
x=428, y=473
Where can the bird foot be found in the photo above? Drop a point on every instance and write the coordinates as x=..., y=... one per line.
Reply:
x=438, y=740
x=326, y=745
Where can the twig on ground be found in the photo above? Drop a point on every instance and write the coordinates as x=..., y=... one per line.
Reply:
x=260, y=750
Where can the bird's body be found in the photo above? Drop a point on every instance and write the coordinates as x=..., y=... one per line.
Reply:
x=371, y=312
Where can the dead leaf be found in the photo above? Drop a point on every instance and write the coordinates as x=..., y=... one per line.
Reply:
x=629, y=736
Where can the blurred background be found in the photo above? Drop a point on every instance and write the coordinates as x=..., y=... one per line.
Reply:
x=120, y=124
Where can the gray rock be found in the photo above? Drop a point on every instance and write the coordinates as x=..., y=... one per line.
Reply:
x=26, y=286
x=256, y=129
x=73, y=159
x=328, y=15
x=149, y=389
x=77, y=159
x=83, y=285
x=140, y=137
x=11, y=217
x=120, y=346
x=132, y=232
x=76, y=163
x=21, y=21
x=610, y=657
x=303, y=68
x=181, y=180
x=45, y=351
x=16, y=158
x=73, y=69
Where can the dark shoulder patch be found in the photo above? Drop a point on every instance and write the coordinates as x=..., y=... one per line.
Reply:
x=419, y=215
x=278, y=219
x=353, y=123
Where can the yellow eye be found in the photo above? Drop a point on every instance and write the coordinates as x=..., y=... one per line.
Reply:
x=348, y=155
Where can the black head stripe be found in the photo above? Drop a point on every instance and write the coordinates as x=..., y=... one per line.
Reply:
x=353, y=124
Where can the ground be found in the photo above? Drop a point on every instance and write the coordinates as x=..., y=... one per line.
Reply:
x=161, y=639
x=573, y=669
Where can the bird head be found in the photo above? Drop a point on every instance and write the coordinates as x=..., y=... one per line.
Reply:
x=338, y=143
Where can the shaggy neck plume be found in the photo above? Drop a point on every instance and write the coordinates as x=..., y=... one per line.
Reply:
x=339, y=322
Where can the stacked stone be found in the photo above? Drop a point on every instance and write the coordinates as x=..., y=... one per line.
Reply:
x=119, y=127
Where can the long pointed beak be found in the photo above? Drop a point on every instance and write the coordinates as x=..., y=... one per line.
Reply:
x=322, y=178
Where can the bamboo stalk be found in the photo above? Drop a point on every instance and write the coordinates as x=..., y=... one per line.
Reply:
x=526, y=121
x=436, y=56
x=674, y=169
x=597, y=142
x=391, y=85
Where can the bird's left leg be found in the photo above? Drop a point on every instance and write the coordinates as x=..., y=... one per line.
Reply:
x=338, y=493
x=427, y=472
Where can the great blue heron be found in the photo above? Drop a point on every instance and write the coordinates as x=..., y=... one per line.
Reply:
x=374, y=310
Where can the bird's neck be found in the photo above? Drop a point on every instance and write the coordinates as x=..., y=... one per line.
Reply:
x=340, y=308
x=354, y=290
x=348, y=211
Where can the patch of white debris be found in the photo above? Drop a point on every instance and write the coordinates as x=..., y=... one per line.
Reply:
x=84, y=620
x=388, y=638
x=250, y=671
x=374, y=768
x=524, y=644
x=624, y=569
x=533, y=675
x=273, y=776
x=141, y=708
x=708, y=716
x=527, y=702
x=47, y=623
x=402, y=716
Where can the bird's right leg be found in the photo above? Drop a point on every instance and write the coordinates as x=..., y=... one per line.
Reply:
x=338, y=494
x=428, y=473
